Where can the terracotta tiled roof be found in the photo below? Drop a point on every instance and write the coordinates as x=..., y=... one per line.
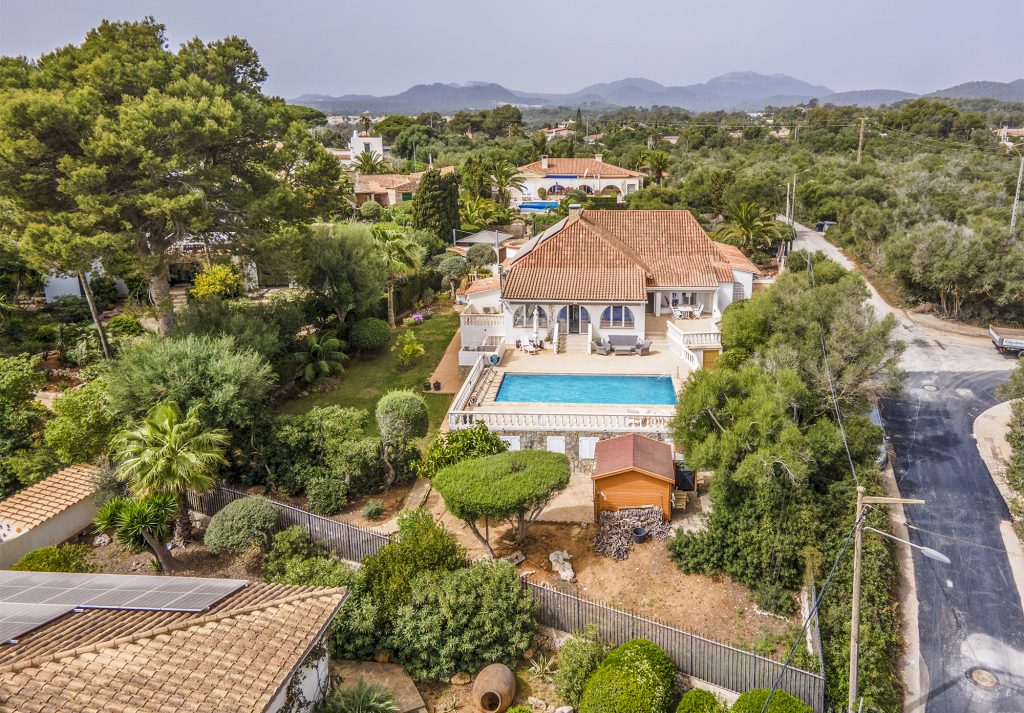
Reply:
x=578, y=167
x=49, y=497
x=384, y=182
x=236, y=656
x=613, y=455
x=735, y=258
x=485, y=284
x=615, y=255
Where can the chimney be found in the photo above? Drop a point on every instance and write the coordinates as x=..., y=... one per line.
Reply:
x=544, y=162
x=575, y=209
x=599, y=157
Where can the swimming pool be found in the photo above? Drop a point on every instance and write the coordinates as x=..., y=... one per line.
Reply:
x=538, y=205
x=587, y=389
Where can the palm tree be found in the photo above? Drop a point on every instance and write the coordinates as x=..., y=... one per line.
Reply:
x=369, y=163
x=139, y=522
x=657, y=162
x=476, y=212
x=504, y=179
x=751, y=228
x=169, y=453
x=320, y=355
x=402, y=256
x=362, y=698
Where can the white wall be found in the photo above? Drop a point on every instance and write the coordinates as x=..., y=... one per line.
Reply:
x=533, y=183
x=357, y=144
x=313, y=683
x=51, y=532
x=746, y=279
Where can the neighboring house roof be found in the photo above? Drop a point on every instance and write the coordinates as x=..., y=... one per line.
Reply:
x=578, y=167
x=484, y=284
x=238, y=655
x=736, y=259
x=633, y=452
x=383, y=182
x=616, y=255
x=46, y=499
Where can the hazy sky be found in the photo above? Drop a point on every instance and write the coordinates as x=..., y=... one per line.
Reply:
x=317, y=46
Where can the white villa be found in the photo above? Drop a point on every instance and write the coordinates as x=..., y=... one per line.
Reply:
x=558, y=176
x=360, y=142
x=602, y=292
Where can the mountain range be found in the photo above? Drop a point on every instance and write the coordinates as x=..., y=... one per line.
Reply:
x=741, y=91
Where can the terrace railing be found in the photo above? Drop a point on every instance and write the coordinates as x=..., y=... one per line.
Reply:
x=481, y=320
x=678, y=346
x=621, y=422
x=694, y=655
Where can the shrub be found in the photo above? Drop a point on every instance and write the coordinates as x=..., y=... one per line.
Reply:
x=369, y=335
x=327, y=492
x=402, y=415
x=753, y=701
x=362, y=698
x=322, y=440
x=124, y=325
x=611, y=690
x=104, y=291
x=241, y=524
x=407, y=349
x=222, y=280
x=580, y=656
x=697, y=700
x=648, y=665
x=60, y=558
x=83, y=423
x=519, y=709
x=69, y=309
x=291, y=543
x=371, y=210
x=456, y=446
x=464, y=620
x=373, y=509
x=314, y=572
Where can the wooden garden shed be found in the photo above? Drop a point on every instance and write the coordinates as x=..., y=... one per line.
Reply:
x=633, y=471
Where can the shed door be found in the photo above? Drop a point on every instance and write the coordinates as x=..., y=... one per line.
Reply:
x=512, y=441
x=587, y=446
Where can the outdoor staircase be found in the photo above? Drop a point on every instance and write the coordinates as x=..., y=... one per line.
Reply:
x=561, y=342
x=572, y=344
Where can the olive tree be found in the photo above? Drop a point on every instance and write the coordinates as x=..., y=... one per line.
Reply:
x=514, y=486
x=401, y=416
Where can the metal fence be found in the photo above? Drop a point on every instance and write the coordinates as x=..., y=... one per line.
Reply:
x=693, y=655
x=347, y=541
x=717, y=663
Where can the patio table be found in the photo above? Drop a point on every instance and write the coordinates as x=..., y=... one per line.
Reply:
x=622, y=349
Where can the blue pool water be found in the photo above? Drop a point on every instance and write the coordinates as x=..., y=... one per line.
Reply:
x=587, y=389
x=538, y=205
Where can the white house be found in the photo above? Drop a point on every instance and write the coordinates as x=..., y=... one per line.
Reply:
x=558, y=176
x=601, y=274
x=360, y=142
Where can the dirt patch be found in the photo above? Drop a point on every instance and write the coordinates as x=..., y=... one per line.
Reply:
x=445, y=696
x=195, y=561
x=647, y=582
x=393, y=500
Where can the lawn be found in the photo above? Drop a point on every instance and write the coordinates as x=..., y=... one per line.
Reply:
x=366, y=379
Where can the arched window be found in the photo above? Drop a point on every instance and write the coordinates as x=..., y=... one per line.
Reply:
x=617, y=316
x=523, y=316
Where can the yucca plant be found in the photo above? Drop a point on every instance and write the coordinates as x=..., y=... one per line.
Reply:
x=362, y=698
x=141, y=522
x=320, y=355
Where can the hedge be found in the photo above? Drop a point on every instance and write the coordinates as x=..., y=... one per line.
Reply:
x=369, y=335
x=753, y=701
x=697, y=700
x=59, y=558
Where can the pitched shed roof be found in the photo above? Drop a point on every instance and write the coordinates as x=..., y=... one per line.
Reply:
x=484, y=284
x=49, y=497
x=578, y=167
x=236, y=656
x=616, y=255
x=632, y=451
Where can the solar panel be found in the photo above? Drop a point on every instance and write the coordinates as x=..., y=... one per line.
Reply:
x=30, y=599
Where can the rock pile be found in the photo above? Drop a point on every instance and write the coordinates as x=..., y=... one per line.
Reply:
x=615, y=530
x=560, y=563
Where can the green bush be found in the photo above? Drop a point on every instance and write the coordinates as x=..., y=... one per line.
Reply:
x=104, y=292
x=241, y=524
x=697, y=700
x=456, y=446
x=327, y=493
x=611, y=690
x=124, y=325
x=369, y=335
x=59, y=558
x=373, y=509
x=648, y=666
x=222, y=281
x=580, y=656
x=291, y=543
x=402, y=415
x=753, y=701
x=362, y=698
x=464, y=620
x=314, y=572
x=519, y=709
x=69, y=309
x=371, y=210
x=82, y=424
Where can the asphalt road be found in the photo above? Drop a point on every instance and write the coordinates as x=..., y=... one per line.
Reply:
x=970, y=618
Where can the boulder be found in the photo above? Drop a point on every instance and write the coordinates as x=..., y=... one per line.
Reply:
x=535, y=702
x=560, y=563
x=461, y=679
x=563, y=709
x=101, y=540
x=199, y=520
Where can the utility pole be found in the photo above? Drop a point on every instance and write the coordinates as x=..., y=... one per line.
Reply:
x=863, y=500
x=1016, y=197
x=787, y=206
x=792, y=212
x=860, y=143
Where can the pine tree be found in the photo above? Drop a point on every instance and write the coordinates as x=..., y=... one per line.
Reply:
x=435, y=206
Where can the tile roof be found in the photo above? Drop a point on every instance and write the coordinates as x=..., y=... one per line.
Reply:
x=236, y=656
x=485, y=284
x=578, y=167
x=613, y=455
x=49, y=497
x=384, y=182
x=735, y=257
x=616, y=255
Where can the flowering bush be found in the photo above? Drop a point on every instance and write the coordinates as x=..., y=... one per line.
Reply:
x=417, y=317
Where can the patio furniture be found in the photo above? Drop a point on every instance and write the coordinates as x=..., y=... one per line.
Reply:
x=622, y=343
x=678, y=312
x=623, y=350
x=599, y=348
x=696, y=310
x=529, y=349
x=645, y=347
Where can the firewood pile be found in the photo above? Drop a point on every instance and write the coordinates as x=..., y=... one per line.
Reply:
x=615, y=530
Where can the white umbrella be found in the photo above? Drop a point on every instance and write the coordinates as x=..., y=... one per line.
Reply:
x=536, y=323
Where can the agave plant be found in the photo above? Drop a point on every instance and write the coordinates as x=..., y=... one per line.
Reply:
x=320, y=356
x=141, y=522
x=362, y=698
